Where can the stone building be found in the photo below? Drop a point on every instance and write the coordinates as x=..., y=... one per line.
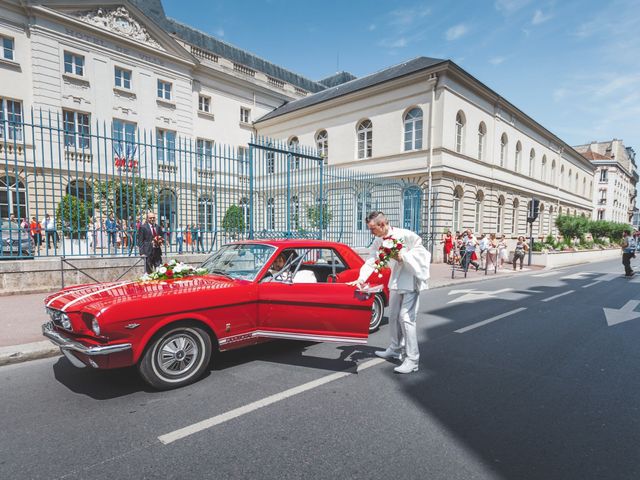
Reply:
x=462, y=155
x=615, y=179
x=430, y=122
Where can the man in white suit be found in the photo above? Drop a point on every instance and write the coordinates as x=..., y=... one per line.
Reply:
x=409, y=275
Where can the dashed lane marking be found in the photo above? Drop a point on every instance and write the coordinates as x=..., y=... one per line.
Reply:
x=489, y=320
x=238, y=412
x=558, y=296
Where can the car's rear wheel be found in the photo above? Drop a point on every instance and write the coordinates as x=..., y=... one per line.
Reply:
x=176, y=356
x=377, y=311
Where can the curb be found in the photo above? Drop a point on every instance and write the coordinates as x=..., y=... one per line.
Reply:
x=27, y=351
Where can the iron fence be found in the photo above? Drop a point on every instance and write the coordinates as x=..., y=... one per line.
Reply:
x=71, y=188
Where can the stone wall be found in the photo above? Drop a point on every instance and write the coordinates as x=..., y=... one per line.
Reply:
x=44, y=275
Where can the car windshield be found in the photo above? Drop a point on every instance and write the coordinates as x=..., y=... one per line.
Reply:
x=9, y=229
x=241, y=261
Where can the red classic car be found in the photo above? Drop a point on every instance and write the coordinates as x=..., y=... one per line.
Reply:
x=169, y=328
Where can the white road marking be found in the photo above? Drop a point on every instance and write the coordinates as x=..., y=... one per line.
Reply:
x=476, y=295
x=558, y=296
x=592, y=284
x=609, y=276
x=624, y=314
x=237, y=412
x=577, y=276
x=489, y=320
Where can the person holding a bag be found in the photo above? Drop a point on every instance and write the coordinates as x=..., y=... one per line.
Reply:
x=628, y=252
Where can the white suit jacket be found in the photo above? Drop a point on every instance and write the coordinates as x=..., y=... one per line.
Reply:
x=412, y=273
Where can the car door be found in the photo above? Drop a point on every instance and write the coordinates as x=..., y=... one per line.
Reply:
x=321, y=312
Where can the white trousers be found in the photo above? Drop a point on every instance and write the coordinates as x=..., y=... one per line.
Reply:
x=403, y=310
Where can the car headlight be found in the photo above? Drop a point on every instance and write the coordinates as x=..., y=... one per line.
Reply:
x=95, y=326
x=65, y=321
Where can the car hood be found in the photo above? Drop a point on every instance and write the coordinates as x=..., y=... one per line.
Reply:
x=152, y=295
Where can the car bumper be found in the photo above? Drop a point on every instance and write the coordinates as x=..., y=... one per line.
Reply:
x=70, y=347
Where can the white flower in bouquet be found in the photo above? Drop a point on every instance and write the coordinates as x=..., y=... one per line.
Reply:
x=388, y=243
x=161, y=270
x=145, y=278
x=180, y=267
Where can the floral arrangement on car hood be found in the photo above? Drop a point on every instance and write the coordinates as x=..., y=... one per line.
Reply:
x=171, y=270
x=387, y=251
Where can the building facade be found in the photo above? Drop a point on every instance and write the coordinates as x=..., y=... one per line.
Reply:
x=616, y=177
x=119, y=77
x=431, y=123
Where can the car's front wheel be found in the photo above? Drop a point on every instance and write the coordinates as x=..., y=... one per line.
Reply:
x=377, y=311
x=176, y=356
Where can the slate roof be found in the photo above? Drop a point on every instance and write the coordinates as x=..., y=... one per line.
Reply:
x=337, y=79
x=386, y=75
x=155, y=11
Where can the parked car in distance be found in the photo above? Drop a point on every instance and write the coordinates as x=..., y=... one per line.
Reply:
x=169, y=329
x=15, y=242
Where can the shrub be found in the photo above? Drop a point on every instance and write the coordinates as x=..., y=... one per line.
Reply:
x=233, y=221
x=72, y=216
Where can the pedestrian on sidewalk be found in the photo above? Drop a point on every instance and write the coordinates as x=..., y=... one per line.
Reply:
x=49, y=225
x=409, y=275
x=503, y=253
x=520, y=249
x=36, y=233
x=628, y=252
x=150, y=240
x=470, y=256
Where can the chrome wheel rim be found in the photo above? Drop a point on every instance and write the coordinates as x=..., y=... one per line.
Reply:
x=376, y=313
x=177, y=354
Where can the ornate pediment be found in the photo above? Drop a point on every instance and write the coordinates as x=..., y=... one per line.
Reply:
x=119, y=21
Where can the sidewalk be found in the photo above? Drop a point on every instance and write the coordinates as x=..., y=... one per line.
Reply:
x=23, y=315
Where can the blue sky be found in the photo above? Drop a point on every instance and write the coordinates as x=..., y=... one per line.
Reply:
x=573, y=66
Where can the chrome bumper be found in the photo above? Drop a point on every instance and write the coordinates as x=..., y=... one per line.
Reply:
x=67, y=344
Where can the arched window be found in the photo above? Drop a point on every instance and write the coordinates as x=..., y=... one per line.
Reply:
x=541, y=223
x=518, y=164
x=457, y=209
x=550, y=220
x=504, y=142
x=553, y=173
x=576, y=184
x=532, y=163
x=80, y=189
x=167, y=209
x=514, y=217
x=363, y=207
x=244, y=205
x=562, y=176
x=482, y=135
x=500, y=215
x=294, y=146
x=569, y=181
x=460, y=121
x=477, y=224
x=322, y=143
x=271, y=214
x=413, y=129
x=206, y=213
x=13, y=197
x=543, y=169
x=411, y=200
x=365, y=139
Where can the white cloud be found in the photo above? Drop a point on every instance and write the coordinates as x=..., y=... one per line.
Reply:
x=372, y=27
x=510, y=6
x=497, y=60
x=456, y=32
x=219, y=32
x=539, y=17
x=393, y=43
x=406, y=17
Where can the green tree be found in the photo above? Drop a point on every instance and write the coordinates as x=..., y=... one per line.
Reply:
x=72, y=216
x=570, y=227
x=233, y=221
x=125, y=197
x=319, y=218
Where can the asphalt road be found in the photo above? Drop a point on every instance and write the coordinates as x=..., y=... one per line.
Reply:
x=518, y=380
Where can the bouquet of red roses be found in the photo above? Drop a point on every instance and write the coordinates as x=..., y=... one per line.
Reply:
x=158, y=241
x=387, y=251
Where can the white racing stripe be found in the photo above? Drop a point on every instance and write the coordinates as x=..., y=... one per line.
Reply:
x=82, y=297
x=66, y=292
x=558, y=296
x=238, y=412
x=489, y=320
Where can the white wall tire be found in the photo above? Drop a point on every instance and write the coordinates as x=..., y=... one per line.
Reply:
x=377, y=312
x=176, y=356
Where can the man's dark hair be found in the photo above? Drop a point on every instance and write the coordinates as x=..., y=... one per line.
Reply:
x=376, y=215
